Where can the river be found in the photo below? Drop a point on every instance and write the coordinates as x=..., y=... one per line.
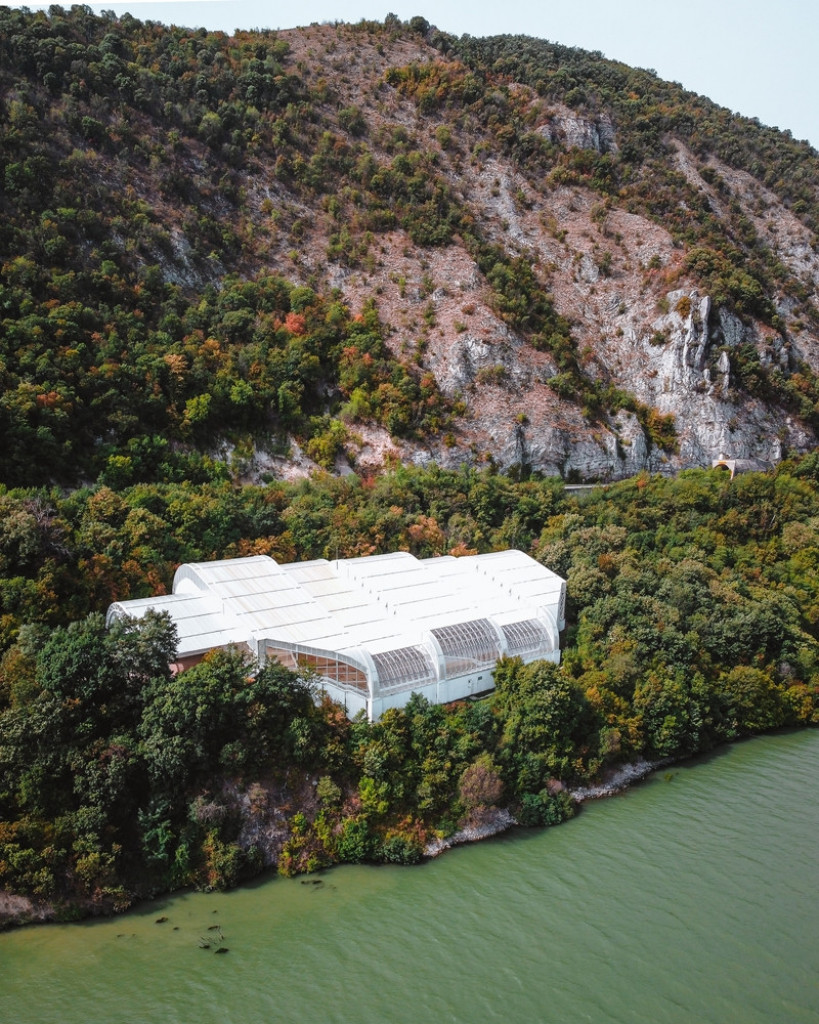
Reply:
x=690, y=898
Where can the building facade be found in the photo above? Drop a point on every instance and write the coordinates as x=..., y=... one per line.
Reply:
x=372, y=630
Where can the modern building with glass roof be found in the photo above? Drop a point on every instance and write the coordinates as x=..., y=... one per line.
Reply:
x=372, y=630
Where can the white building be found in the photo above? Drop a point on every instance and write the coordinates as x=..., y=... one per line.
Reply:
x=374, y=630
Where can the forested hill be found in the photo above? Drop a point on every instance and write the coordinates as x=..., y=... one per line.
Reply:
x=229, y=263
x=692, y=621
x=251, y=255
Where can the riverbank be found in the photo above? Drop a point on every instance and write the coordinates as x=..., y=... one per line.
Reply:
x=618, y=779
x=20, y=910
x=708, y=870
x=16, y=910
x=501, y=820
x=497, y=821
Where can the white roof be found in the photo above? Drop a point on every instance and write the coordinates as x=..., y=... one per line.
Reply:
x=379, y=603
x=200, y=624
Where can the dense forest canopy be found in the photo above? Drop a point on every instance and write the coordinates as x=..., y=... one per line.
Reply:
x=692, y=621
x=159, y=325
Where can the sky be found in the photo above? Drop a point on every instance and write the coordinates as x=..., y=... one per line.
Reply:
x=756, y=57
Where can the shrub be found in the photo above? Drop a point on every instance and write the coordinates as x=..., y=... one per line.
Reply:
x=543, y=809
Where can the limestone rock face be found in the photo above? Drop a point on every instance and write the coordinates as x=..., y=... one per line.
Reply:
x=679, y=362
x=687, y=353
x=643, y=327
x=569, y=129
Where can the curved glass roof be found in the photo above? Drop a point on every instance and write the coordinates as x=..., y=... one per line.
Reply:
x=468, y=646
x=403, y=668
x=406, y=621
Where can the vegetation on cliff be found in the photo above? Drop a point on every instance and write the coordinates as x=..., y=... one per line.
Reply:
x=192, y=225
x=692, y=621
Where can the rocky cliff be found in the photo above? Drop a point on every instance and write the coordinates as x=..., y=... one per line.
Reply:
x=601, y=272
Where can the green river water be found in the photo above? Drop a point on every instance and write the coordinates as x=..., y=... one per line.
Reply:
x=691, y=898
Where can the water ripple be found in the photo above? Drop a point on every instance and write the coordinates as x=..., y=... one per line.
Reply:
x=687, y=899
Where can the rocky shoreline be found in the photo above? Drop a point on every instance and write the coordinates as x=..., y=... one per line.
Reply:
x=497, y=821
x=21, y=910
x=618, y=780
x=500, y=820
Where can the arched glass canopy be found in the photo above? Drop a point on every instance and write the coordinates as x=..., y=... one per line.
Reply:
x=373, y=630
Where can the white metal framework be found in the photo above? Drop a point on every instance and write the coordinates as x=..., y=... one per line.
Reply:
x=372, y=630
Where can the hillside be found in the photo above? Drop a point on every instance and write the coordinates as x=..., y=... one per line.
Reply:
x=692, y=621
x=225, y=262
x=375, y=243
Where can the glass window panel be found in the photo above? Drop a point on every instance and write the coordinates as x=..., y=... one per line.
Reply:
x=403, y=667
x=526, y=637
x=467, y=646
x=335, y=670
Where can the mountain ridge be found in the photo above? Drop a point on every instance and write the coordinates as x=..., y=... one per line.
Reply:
x=527, y=256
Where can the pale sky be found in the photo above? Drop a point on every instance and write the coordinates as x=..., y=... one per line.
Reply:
x=756, y=57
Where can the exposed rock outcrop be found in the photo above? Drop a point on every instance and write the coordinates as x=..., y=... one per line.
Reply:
x=19, y=910
x=568, y=128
